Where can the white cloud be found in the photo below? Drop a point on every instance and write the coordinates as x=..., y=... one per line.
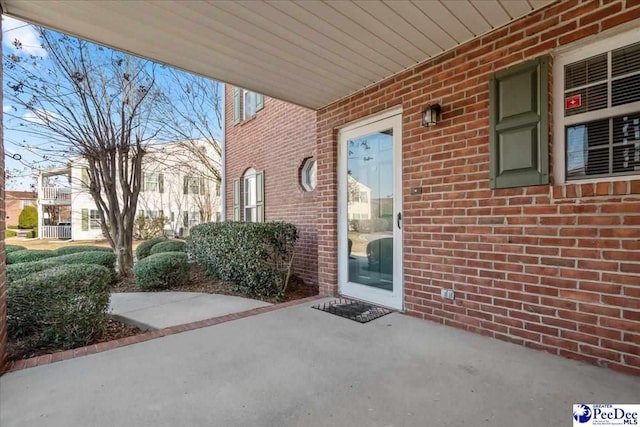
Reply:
x=7, y=108
x=13, y=29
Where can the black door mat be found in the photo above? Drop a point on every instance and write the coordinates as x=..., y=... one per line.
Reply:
x=354, y=310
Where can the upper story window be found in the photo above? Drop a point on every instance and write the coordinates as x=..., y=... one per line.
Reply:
x=193, y=184
x=152, y=182
x=249, y=102
x=245, y=104
x=599, y=119
x=250, y=199
x=94, y=219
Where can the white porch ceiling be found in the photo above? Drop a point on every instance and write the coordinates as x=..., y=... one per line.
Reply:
x=307, y=52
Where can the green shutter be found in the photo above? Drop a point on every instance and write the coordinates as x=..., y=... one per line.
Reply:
x=185, y=185
x=185, y=219
x=236, y=105
x=161, y=182
x=259, y=102
x=236, y=199
x=201, y=185
x=144, y=178
x=260, y=196
x=85, y=219
x=84, y=178
x=519, y=125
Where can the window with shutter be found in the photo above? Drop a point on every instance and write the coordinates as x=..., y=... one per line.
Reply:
x=597, y=110
x=236, y=105
x=84, y=219
x=236, y=199
x=519, y=125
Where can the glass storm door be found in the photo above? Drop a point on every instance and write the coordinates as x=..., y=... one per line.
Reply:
x=370, y=211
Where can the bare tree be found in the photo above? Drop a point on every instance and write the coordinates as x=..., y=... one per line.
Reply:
x=192, y=112
x=88, y=101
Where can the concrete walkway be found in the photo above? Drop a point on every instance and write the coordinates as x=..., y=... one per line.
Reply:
x=157, y=310
x=302, y=367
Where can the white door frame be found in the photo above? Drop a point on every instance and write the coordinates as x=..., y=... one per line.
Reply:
x=380, y=122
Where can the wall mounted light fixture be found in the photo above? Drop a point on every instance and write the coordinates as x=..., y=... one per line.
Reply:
x=431, y=115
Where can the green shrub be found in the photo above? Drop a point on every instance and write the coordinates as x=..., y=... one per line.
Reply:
x=103, y=258
x=28, y=255
x=32, y=234
x=28, y=218
x=10, y=233
x=147, y=228
x=162, y=270
x=255, y=257
x=13, y=227
x=169, y=246
x=66, y=250
x=63, y=306
x=17, y=272
x=144, y=249
x=13, y=248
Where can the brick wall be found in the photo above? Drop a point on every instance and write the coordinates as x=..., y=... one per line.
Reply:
x=3, y=269
x=555, y=268
x=277, y=141
x=13, y=205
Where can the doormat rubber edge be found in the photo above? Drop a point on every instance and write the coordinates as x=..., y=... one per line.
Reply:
x=357, y=311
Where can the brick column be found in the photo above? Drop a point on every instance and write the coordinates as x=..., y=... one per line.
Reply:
x=3, y=268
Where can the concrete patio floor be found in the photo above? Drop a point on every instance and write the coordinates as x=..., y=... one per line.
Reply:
x=302, y=367
x=156, y=310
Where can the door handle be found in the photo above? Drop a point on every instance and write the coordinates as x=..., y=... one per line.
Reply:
x=398, y=219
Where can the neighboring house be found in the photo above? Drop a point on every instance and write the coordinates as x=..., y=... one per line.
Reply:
x=174, y=186
x=512, y=128
x=15, y=201
x=270, y=168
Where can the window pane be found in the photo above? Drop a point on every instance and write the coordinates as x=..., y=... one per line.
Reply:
x=625, y=90
x=626, y=144
x=249, y=104
x=250, y=191
x=592, y=98
x=587, y=149
x=587, y=71
x=625, y=60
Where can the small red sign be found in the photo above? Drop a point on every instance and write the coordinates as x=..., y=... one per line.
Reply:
x=574, y=101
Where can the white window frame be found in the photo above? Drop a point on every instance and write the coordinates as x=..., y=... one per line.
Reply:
x=568, y=55
x=94, y=220
x=248, y=204
x=310, y=166
x=151, y=182
x=193, y=183
x=253, y=101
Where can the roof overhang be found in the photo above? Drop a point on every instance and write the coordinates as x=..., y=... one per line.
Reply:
x=310, y=53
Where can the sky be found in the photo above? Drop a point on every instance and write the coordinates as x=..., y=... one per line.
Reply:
x=20, y=163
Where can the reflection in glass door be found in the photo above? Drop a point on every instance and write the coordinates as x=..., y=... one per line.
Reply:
x=370, y=209
x=370, y=235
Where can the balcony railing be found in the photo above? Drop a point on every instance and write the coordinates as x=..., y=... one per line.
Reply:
x=56, y=194
x=56, y=232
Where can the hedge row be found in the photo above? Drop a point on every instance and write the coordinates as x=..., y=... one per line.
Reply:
x=255, y=257
x=19, y=270
x=169, y=246
x=162, y=270
x=28, y=255
x=144, y=249
x=13, y=248
x=63, y=306
x=66, y=250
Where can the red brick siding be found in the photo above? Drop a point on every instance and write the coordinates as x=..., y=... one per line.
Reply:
x=13, y=205
x=276, y=141
x=555, y=268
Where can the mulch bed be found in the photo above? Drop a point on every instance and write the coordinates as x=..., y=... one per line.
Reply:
x=200, y=282
x=21, y=349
